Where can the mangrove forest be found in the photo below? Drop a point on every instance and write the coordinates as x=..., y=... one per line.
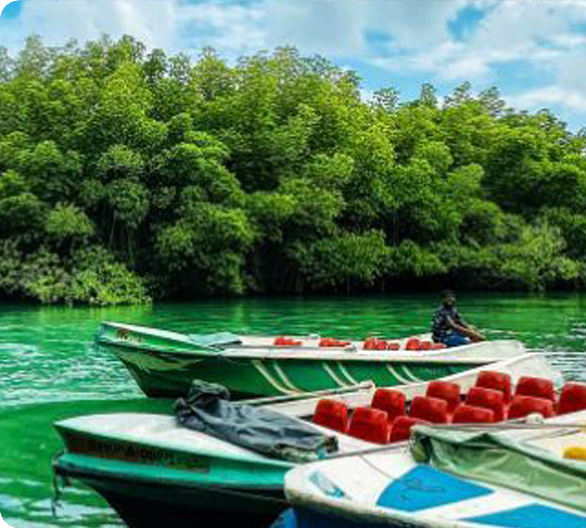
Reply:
x=129, y=174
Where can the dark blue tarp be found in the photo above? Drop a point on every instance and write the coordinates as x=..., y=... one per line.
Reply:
x=208, y=409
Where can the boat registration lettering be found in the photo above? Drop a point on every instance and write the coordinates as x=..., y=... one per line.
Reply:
x=138, y=454
x=127, y=335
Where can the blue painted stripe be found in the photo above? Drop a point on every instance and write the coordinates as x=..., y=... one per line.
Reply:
x=426, y=487
x=532, y=516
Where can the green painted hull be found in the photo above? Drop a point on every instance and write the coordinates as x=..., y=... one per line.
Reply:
x=158, y=501
x=145, y=481
x=171, y=376
x=164, y=364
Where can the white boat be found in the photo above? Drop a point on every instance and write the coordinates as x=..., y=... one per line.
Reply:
x=518, y=479
x=146, y=464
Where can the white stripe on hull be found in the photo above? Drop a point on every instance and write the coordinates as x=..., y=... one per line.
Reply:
x=268, y=376
x=333, y=375
x=346, y=373
x=284, y=378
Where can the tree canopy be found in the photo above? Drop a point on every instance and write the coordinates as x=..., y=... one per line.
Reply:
x=128, y=174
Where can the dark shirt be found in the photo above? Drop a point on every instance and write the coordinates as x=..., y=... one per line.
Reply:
x=440, y=327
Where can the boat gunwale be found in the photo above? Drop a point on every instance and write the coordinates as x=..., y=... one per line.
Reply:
x=420, y=358
x=307, y=353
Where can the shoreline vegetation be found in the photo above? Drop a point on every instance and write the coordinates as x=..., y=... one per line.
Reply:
x=128, y=175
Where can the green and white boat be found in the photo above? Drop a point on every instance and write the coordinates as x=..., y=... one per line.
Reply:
x=164, y=363
x=151, y=470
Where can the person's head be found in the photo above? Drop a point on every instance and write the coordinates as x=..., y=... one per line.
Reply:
x=448, y=298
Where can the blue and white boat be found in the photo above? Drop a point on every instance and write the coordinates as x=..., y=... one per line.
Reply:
x=524, y=478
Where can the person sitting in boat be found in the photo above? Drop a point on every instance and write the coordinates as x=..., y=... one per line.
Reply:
x=449, y=328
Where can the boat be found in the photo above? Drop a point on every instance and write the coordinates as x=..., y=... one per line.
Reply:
x=147, y=466
x=164, y=363
x=525, y=475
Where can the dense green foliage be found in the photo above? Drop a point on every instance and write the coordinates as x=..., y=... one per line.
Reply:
x=127, y=174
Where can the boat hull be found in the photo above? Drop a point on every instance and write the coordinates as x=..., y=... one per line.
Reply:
x=164, y=364
x=155, y=503
x=169, y=375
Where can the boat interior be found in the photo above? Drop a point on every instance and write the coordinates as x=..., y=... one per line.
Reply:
x=492, y=399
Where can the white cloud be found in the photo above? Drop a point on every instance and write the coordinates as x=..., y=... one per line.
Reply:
x=547, y=96
x=57, y=21
x=399, y=36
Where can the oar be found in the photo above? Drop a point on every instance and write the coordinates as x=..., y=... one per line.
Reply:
x=308, y=395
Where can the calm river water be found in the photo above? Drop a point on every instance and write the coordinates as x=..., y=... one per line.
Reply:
x=49, y=369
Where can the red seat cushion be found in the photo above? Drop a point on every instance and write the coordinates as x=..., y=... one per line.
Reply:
x=536, y=387
x=332, y=414
x=572, y=398
x=402, y=428
x=413, y=344
x=488, y=399
x=390, y=401
x=500, y=381
x=469, y=414
x=444, y=390
x=522, y=406
x=429, y=409
x=370, y=424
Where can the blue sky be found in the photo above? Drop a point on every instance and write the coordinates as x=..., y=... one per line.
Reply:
x=534, y=51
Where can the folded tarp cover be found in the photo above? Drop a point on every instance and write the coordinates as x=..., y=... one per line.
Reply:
x=207, y=409
x=499, y=459
x=219, y=339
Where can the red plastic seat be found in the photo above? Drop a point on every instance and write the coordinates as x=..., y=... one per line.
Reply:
x=488, y=399
x=470, y=414
x=401, y=430
x=413, y=344
x=438, y=346
x=572, y=398
x=536, y=387
x=370, y=343
x=332, y=414
x=394, y=346
x=425, y=345
x=490, y=379
x=390, y=401
x=429, y=409
x=444, y=390
x=370, y=424
x=285, y=341
x=522, y=406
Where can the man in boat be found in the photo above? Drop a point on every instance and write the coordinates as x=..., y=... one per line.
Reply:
x=449, y=328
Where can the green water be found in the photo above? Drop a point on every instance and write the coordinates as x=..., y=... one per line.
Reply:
x=49, y=369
